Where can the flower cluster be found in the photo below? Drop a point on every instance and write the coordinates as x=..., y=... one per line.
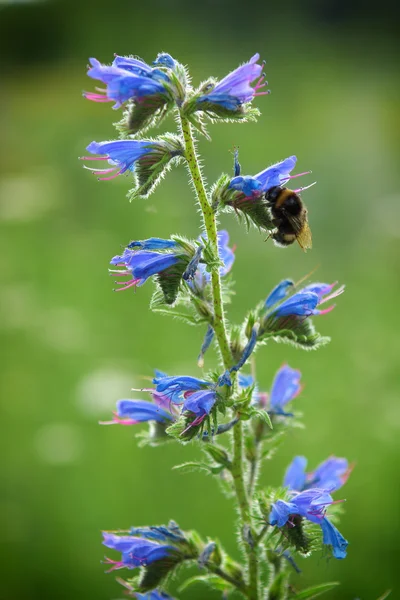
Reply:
x=309, y=497
x=191, y=285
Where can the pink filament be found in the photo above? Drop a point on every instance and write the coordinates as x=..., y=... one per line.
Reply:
x=197, y=421
x=327, y=310
x=97, y=97
x=93, y=157
x=129, y=284
x=298, y=175
x=118, y=421
x=110, y=177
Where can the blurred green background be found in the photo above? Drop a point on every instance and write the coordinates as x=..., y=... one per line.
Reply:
x=70, y=347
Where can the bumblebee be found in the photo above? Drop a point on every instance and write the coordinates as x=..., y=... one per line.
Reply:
x=289, y=215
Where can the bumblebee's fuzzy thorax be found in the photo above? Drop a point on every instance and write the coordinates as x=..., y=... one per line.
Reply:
x=289, y=215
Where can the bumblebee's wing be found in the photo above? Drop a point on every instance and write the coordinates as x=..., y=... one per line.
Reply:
x=304, y=237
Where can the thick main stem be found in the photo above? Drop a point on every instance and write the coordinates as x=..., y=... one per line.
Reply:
x=221, y=335
x=211, y=229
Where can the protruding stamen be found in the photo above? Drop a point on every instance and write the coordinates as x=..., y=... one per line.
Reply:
x=109, y=178
x=297, y=175
x=95, y=171
x=93, y=157
x=127, y=285
x=327, y=310
x=299, y=190
x=337, y=292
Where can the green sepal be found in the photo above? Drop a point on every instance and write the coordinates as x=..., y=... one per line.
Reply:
x=278, y=587
x=315, y=591
x=153, y=574
x=297, y=331
x=219, y=191
x=140, y=116
x=196, y=120
x=218, y=454
x=170, y=279
x=261, y=414
x=254, y=210
x=181, y=430
x=151, y=167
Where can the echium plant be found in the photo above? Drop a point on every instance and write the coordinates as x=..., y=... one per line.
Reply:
x=234, y=423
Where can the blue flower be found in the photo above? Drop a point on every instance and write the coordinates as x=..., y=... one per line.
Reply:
x=196, y=396
x=200, y=403
x=160, y=533
x=226, y=255
x=279, y=292
x=131, y=412
x=256, y=185
x=304, y=302
x=135, y=551
x=311, y=505
x=127, y=78
x=208, y=338
x=247, y=351
x=245, y=381
x=140, y=265
x=165, y=60
x=153, y=244
x=121, y=154
x=285, y=387
x=330, y=475
x=176, y=388
x=235, y=89
x=153, y=595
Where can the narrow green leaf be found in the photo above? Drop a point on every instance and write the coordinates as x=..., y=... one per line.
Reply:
x=213, y=581
x=261, y=414
x=385, y=595
x=190, y=467
x=315, y=591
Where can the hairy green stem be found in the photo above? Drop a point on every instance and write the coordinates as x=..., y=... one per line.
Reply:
x=211, y=229
x=251, y=590
x=244, y=508
x=254, y=464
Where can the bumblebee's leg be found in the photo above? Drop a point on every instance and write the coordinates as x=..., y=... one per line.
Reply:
x=236, y=164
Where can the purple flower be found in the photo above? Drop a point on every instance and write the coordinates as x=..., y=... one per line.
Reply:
x=127, y=78
x=121, y=154
x=131, y=412
x=311, y=505
x=330, y=475
x=235, y=89
x=135, y=551
x=139, y=265
x=285, y=387
x=257, y=185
